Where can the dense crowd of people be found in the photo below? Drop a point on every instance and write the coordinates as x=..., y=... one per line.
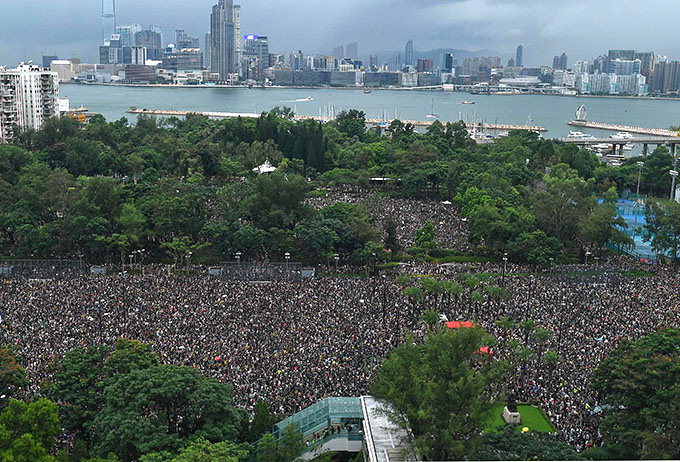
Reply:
x=409, y=215
x=294, y=343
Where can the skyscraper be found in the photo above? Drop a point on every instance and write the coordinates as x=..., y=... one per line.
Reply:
x=408, y=56
x=560, y=62
x=29, y=96
x=339, y=52
x=448, y=62
x=127, y=34
x=519, y=56
x=351, y=51
x=222, y=55
x=207, y=49
x=256, y=49
x=238, y=39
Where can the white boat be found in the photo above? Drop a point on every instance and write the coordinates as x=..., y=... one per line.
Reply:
x=622, y=136
x=579, y=136
x=467, y=102
x=309, y=98
x=432, y=114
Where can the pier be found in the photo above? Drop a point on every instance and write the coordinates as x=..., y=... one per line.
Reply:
x=624, y=128
x=372, y=122
x=617, y=145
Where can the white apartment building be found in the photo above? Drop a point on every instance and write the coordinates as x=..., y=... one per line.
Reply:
x=28, y=96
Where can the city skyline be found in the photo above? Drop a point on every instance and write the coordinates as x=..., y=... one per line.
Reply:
x=545, y=29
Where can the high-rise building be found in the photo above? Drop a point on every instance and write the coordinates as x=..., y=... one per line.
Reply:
x=449, y=62
x=373, y=62
x=207, y=49
x=666, y=77
x=47, y=60
x=519, y=56
x=339, y=52
x=425, y=65
x=351, y=51
x=184, y=40
x=127, y=34
x=238, y=39
x=222, y=55
x=152, y=41
x=624, y=66
x=256, y=52
x=408, y=54
x=647, y=61
x=28, y=96
x=560, y=62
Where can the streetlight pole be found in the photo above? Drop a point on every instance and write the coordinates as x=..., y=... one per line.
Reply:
x=505, y=264
x=588, y=253
x=238, y=258
x=597, y=263
x=287, y=255
x=336, y=257
x=131, y=257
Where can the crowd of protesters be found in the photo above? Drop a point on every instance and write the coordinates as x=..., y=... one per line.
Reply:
x=409, y=215
x=293, y=343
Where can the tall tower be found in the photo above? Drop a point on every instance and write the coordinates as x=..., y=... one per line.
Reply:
x=408, y=56
x=108, y=18
x=223, y=59
x=238, y=39
x=519, y=56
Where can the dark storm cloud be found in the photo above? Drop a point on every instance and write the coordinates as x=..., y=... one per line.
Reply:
x=582, y=28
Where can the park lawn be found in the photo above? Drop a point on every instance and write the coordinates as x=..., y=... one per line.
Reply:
x=532, y=417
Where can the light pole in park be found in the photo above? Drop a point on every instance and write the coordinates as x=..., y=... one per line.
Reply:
x=336, y=257
x=637, y=193
x=238, y=258
x=505, y=265
x=287, y=255
x=588, y=253
x=597, y=263
x=188, y=258
x=674, y=174
x=131, y=256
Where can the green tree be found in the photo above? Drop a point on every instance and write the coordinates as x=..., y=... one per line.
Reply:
x=425, y=236
x=12, y=375
x=441, y=391
x=509, y=444
x=602, y=226
x=352, y=123
x=262, y=422
x=202, y=450
x=160, y=408
x=640, y=381
x=663, y=229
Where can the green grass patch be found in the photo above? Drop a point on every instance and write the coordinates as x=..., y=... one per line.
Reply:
x=637, y=274
x=532, y=417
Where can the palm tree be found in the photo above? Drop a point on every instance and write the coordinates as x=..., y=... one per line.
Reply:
x=528, y=326
x=551, y=358
x=431, y=319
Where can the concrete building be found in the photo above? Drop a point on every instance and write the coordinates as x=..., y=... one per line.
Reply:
x=625, y=66
x=186, y=59
x=351, y=51
x=519, y=56
x=223, y=53
x=152, y=41
x=560, y=62
x=127, y=34
x=64, y=69
x=666, y=77
x=28, y=96
x=207, y=51
x=238, y=39
x=256, y=53
x=425, y=65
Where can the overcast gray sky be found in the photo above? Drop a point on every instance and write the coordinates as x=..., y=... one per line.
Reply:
x=581, y=28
